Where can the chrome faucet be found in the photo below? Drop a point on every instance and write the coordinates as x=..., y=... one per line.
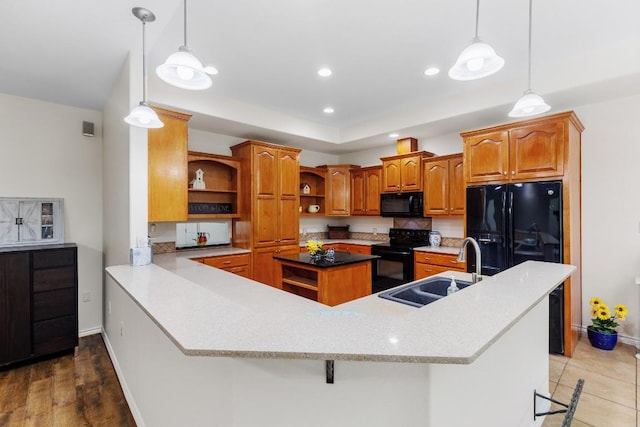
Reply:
x=475, y=277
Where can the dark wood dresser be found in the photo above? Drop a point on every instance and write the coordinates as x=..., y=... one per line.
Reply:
x=38, y=301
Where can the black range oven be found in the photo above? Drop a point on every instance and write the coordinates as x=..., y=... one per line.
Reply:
x=395, y=265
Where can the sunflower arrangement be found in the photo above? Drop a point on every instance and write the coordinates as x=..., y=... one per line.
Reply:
x=604, y=320
x=314, y=247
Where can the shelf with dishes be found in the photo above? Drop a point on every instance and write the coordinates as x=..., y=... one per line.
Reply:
x=312, y=191
x=213, y=190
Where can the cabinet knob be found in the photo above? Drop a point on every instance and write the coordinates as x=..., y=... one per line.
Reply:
x=513, y=172
x=504, y=173
x=227, y=262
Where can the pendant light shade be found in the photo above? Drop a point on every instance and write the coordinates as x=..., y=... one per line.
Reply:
x=142, y=115
x=182, y=69
x=478, y=60
x=530, y=103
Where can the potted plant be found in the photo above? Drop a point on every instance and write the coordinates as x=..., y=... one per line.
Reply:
x=602, y=332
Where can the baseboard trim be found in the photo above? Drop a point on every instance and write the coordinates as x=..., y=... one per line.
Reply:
x=90, y=331
x=137, y=416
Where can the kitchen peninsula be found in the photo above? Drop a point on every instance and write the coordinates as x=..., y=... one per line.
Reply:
x=185, y=335
x=344, y=278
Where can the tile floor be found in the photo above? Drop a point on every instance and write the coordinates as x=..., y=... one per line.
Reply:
x=611, y=386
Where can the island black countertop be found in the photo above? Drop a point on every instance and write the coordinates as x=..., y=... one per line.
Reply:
x=341, y=258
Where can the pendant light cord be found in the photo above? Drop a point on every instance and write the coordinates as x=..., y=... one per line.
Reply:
x=185, y=22
x=477, y=17
x=529, y=72
x=144, y=64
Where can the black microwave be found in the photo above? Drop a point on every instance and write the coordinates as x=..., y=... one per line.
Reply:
x=406, y=205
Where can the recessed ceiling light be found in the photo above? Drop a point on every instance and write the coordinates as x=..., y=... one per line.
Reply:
x=394, y=135
x=431, y=71
x=324, y=72
x=328, y=110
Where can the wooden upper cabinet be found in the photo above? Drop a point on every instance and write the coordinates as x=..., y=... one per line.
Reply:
x=403, y=172
x=338, y=188
x=444, y=189
x=222, y=177
x=289, y=174
x=365, y=191
x=168, y=167
x=265, y=171
x=537, y=151
x=517, y=152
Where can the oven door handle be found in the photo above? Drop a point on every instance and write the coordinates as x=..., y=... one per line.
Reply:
x=392, y=252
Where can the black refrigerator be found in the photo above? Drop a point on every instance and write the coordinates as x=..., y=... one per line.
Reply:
x=513, y=223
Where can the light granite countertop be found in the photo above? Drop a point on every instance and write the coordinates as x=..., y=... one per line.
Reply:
x=209, y=312
x=348, y=241
x=438, y=249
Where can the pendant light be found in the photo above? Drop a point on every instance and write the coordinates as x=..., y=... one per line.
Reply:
x=141, y=115
x=530, y=103
x=182, y=69
x=478, y=60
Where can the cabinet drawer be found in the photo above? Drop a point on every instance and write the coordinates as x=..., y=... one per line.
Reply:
x=445, y=260
x=426, y=270
x=54, y=335
x=47, y=305
x=241, y=270
x=54, y=258
x=54, y=278
x=358, y=249
x=227, y=261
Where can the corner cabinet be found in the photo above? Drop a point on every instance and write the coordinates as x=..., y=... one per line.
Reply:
x=338, y=188
x=312, y=190
x=38, y=301
x=168, y=167
x=545, y=148
x=365, y=191
x=221, y=176
x=403, y=172
x=268, y=220
x=444, y=189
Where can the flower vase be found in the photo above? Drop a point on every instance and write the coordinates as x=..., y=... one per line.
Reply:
x=601, y=340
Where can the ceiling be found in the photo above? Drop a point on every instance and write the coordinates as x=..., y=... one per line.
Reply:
x=268, y=52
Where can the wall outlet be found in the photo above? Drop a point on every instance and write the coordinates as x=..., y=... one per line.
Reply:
x=86, y=296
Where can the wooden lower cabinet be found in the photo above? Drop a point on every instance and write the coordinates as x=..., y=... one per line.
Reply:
x=38, y=301
x=239, y=264
x=330, y=286
x=265, y=267
x=430, y=263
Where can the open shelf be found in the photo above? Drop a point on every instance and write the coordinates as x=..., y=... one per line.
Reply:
x=219, y=198
x=314, y=178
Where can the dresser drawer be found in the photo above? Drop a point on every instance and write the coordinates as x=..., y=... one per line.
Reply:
x=227, y=261
x=48, y=305
x=445, y=260
x=54, y=335
x=54, y=258
x=54, y=278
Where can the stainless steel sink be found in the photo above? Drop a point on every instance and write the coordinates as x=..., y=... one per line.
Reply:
x=422, y=292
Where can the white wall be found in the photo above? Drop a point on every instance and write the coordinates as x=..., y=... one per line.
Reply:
x=44, y=154
x=611, y=207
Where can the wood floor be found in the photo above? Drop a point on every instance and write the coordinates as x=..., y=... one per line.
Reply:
x=78, y=389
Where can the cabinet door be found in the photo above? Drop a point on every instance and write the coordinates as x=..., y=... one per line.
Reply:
x=288, y=223
x=421, y=271
x=373, y=179
x=264, y=266
x=168, y=168
x=338, y=191
x=391, y=179
x=436, y=188
x=358, y=195
x=266, y=207
x=457, y=194
x=288, y=193
x=289, y=174
x=487, y=157
x=411, y=173
x=9, y=211
x=15, y=307
x=537, y=151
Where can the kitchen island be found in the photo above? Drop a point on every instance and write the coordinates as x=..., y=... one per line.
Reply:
x=334, y=281
x=194, y=345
